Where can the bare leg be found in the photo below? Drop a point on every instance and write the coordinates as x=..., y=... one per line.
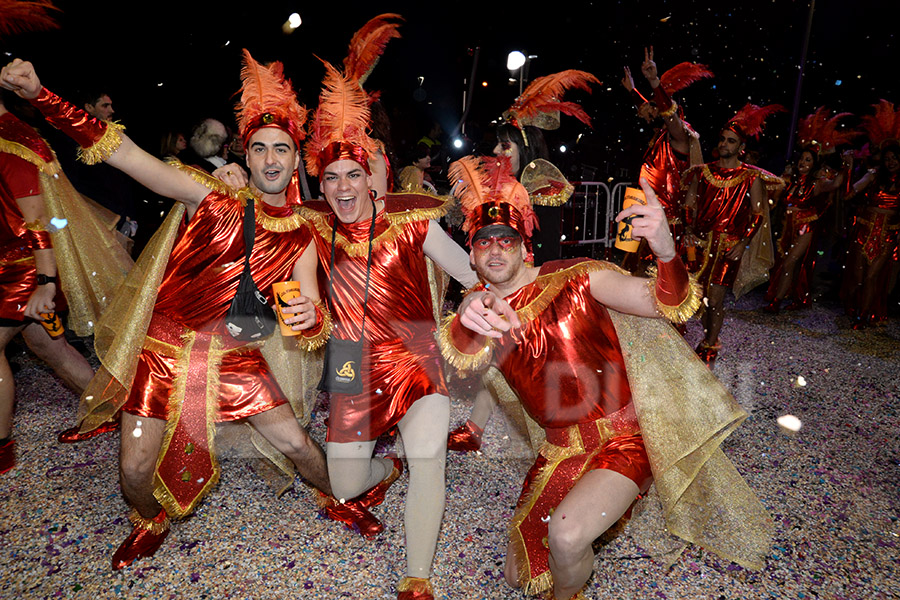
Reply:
x=424, y=433
x=137, y=461
x=791, y=265
x=596, y=502
x=715, y=313
x=483, y=408
x=7, y=383
x=281, y=429
x=870, y=286
x=353, y=470
x=856, y=269
x=65, y=360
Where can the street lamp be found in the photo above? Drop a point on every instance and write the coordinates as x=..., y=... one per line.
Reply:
x=518, y=61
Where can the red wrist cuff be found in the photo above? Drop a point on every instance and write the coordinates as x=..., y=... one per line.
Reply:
x=672, y=282
x=38, y=240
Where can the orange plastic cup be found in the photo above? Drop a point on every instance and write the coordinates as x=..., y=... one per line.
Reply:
x=284, y=291
x=624, y=241
x=51, y=322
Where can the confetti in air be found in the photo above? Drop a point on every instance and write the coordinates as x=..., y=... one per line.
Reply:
x=789, y=423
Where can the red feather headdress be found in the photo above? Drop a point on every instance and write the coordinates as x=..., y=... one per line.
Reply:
x=682, y=75
x=883, y=127
x=268, y=100
x=17, y=16
x=541, y=102
x=820, y=132
x=338, y=129
x=490, y=195
x=749, y=121
x=368, y=44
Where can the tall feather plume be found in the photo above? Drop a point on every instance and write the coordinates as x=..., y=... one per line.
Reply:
x=751, y=118
x=368, y=44
x=544, y=95
x=884, y=124
x=489, y=179
x=17, y=16
x=682, y=75
x=823, y=129
x=265, y=90
x=342, y=116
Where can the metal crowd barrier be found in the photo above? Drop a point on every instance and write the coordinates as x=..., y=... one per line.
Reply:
x=588, y=226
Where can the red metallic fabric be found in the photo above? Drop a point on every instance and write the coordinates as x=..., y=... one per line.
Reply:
x=71, y=120
x=723, y=199
x=401, y=362
x=662, y=169
x=672, y=283
x=205, y=266
x=566, y=364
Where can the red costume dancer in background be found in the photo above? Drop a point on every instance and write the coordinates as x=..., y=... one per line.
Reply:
x=676, y=146
x=554, y=333
x=373, y=256
x=176, y=371
x=520, y=139
x=806, y=200
x=725, y=204
x=876, y=229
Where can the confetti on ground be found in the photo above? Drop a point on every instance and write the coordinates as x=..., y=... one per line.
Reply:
x=831, y=489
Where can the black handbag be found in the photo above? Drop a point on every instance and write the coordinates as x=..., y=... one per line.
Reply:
x=249, y=318
x=343, y=358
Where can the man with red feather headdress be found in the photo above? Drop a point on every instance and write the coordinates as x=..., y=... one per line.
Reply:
x=175, y=370
x=598, y=377
x=372, y=249
x=44, y=269
x=726, y=206
x=676, y=146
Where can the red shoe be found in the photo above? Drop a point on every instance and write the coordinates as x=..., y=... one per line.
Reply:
x=352, y=514
x=465, y=438
x=145, y=539
x=708, y=353
x=415, y=588
x=375, y=496
x=73, y=435
x=7, y=456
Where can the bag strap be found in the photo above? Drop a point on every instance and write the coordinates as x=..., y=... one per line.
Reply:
x=368, y=269
x=249, y=230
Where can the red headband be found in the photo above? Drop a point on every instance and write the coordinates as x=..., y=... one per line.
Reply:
x=497, y=213
x=336, y=151
x=270, y=120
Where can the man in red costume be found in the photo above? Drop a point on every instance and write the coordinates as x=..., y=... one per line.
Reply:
x=548, y=330
x=29, y=286
x=188, y=372
x=373, y=254
x=725, y=209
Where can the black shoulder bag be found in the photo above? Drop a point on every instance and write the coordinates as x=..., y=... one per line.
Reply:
x=343, y=358
x=249, y=318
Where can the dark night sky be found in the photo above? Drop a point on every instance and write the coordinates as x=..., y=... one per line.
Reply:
x=193, y=50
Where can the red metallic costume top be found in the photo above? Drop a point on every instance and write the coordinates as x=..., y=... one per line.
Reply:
x=801, y=195
x=662, y=168
x=401, y=362
x=884, y=197
x=22, y=150
x=723, y=198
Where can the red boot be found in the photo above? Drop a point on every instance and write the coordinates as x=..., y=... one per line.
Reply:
x=7, y=456
x=352, y=514
x=72, y=435
x=415, y=588
x=375, y=496
x=145, y=539
x=465, y=438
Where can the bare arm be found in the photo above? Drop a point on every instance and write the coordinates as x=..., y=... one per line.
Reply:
x=303, y=308
x=42, y=298
x=441, y=248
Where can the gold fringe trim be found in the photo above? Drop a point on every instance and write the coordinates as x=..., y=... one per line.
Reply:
x=688, y=306
x=138, y=520
x=27, y=154
x=553, y=283
x=162, y=348
x=320, y=222
x=35, y=225
x=415, y=584
x=669, y=111
x=208, y=181
x=313, y=342
x=460, y=360
x=103, y=148
x=723, y=183
x=421, y=214
x=554, y=199
x=276, y=224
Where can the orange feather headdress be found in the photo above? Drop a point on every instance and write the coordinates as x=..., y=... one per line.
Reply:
x=338, y=129
x=682, y=75
x=819, y=131
x=883, y=127
x=749, y=121
x=541, y=103
x=490, y=195
x=17, y=16
x=267, y=100
x=368, y=44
